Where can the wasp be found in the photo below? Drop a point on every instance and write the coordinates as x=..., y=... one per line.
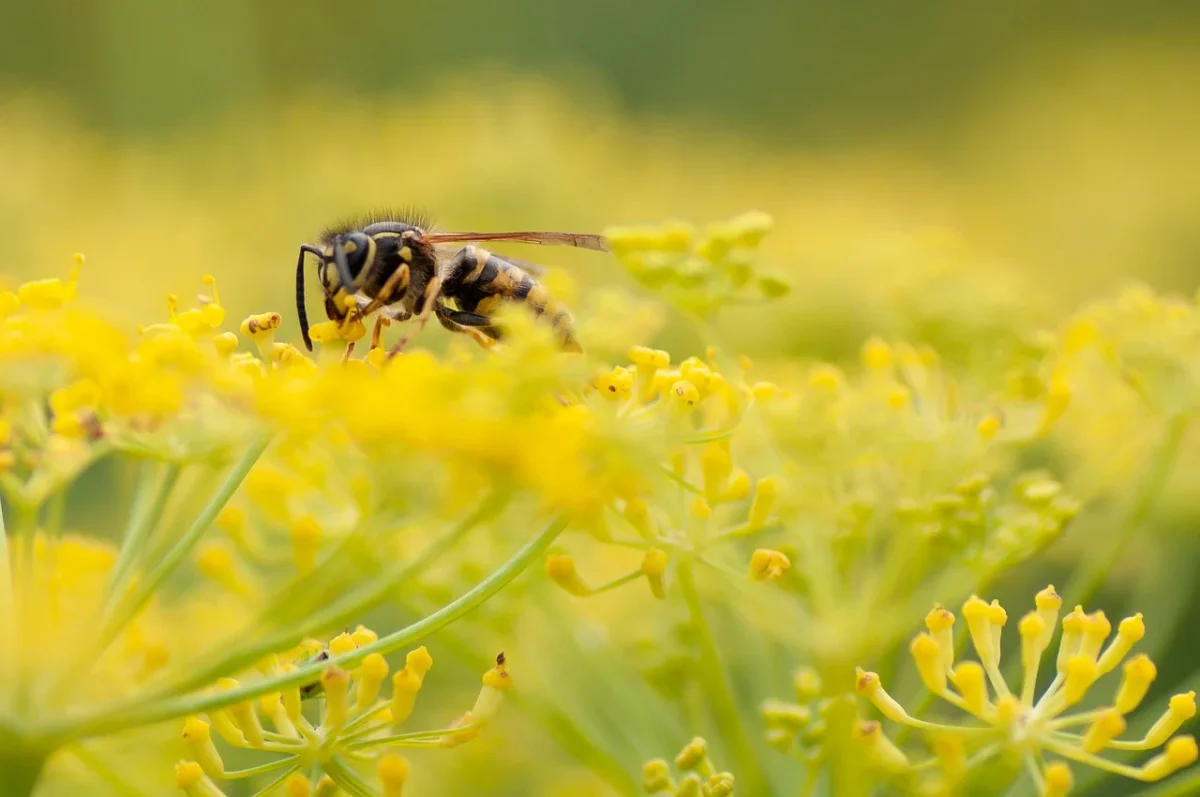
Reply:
x=398, y=265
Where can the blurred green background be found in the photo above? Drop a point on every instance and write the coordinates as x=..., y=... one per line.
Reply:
x=949, y=172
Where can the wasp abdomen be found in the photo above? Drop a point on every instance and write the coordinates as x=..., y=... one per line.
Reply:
x=480, y=281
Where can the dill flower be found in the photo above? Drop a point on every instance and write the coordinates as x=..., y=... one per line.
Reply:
x=697, y=775
x=1044, y=731
x=700, y=272
x=350, y=738
x=273, y=478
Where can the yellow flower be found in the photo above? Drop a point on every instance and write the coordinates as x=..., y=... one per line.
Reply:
x=1042, y=728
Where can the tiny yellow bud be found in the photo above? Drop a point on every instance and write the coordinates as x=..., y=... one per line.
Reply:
x=765, y=494
x=692, y=755
x=1048, y=600
x=1081, y=673
x=699, y=509
x=260, y=325
x=1072, y=625
x=226, y=343
x=371, y=674
x=738, y=487
x=989, y=426
x=1008, y=709
x=685, y=394
x=940, y=622
x=719, y=785
x=342, y=643
x=877, y=354
x=652, y=358
x=1137, y=675
x=297, y=785
x=187, y=774
x=1059, y=780
x=869, y=686
x=1129, y=633
x=881, y=751
x=1095, y=630
x=1180, y=709
x=716, y=466
x=978, y=616
x=1108, y=725
x=419, y=661
x=968, y=677
x=654, y=564
x=806, y=684
x=198, y=738
x=615, y=384
x=363, y=636
x=561, y=570
x=1048, y=603
x=656, y=776
x=825, y=378
x=928, y=657
x=768, y=565
x=1181, y=752
x=335, y=682
x=393, y=774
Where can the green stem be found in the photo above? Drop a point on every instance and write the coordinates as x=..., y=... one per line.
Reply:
x=148, y=506
x=127, y=609
x=716, y=688
x=1091, y=574
x=345, y=608
x=147, y=709
x=21, y=765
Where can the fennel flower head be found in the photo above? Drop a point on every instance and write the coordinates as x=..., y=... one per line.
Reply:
x=1045, y=730
x=253, y=497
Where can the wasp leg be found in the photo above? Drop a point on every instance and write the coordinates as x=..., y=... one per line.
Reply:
x=433, y=293
x=377, y=333
x=480, y=327
x=348, y=352
x=398, y=281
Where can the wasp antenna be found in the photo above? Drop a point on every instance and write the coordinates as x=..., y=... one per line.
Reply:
x=301, y=310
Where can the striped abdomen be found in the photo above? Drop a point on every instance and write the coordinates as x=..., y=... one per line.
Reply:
x=480, y=281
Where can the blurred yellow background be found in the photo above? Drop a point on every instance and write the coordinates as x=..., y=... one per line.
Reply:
x=1050, y=150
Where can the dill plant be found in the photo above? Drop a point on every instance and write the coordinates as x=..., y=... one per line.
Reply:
x=702, y=530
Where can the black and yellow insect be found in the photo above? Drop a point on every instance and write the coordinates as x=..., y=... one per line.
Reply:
x=394, y=264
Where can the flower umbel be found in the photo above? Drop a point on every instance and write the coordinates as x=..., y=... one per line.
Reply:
x=1041, y=729
x=350, y=738
x=698, y=777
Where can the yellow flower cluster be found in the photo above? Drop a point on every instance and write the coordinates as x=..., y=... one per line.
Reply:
x=702, y=779
x=347, y=741
x=330, y=481
x=701, y=410
x=700, y=273
x=1019, y=721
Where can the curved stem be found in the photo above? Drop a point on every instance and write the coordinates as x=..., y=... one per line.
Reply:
x=148, y=710
x=128, y=607
x=149, y=504
x=716, y=688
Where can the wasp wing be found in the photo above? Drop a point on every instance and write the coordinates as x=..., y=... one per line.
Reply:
x=445, y=251
x=582, y=240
